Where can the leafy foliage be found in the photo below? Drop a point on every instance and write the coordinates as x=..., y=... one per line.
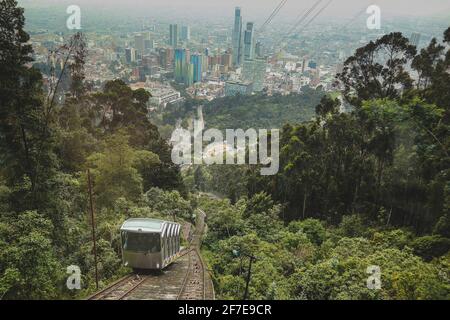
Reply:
x=378, y=69
x=307, y=260
x=258, y=111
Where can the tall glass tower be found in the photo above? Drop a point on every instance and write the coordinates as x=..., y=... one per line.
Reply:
x=139, y=44
x=185, y=33
x=249, y=42
x=180, y=65
x=173, y=36
x=196, y=61
x=237, y=37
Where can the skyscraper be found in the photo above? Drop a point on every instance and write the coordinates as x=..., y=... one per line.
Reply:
x=185, y=33
x=188, y=75
x=255, y=71
x=237, y=37
x=180, y=65
x=205, y=64
x=173, y=35
x=196, y=61
x=166, y=56
x=184, y=68
x=226, y=59
x=170, y=55
x=139, y=44
x=130, y=55
x=249, y=42
x=259, y=50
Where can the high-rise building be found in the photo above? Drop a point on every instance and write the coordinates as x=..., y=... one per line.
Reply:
x=259, y=50
x=185, y=33
x=255, y=71
x=180, y=65
x=237, y=37
x=170, y=55
x=150, y=66
x=226, y=60
x=139, y=44
x=188, y=75
x=214, y=60
x=188, y=55
x=130, y=55
x=173, y=35
x=196, y=61
x=184, y=68
x=415, y=39
x=143, y=73
x=135, y=73
x=205, y=64
x=249, y=41
x=166, y=56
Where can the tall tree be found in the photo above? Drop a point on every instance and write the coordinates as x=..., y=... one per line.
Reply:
x=436, y=63
x=25, y=135
x=425, y=63
x=378, y=70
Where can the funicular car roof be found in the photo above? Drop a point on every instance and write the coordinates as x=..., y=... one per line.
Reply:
x=145, y=225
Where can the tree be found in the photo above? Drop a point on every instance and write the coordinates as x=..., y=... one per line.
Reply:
x=425, y=63
x=116, y=170
x=327, y=106
x=26, y=146
x=432, y=65
x=29, y=268
x=447, y=35
x=378, y=70
x=169, y=203
x=312, y=228
x=78, y=45
x=429, y=247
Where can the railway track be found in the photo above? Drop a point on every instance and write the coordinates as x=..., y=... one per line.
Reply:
x=185, y=279
x=197, y=284
x=194, y=284
x=121, y=288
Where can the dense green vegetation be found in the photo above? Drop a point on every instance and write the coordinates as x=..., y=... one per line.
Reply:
x=310, y=259
x=46, y=148
x=257, y=111
x=261, y=111
x=370, y=187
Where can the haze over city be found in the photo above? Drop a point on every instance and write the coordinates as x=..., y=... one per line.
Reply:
x=256, y=9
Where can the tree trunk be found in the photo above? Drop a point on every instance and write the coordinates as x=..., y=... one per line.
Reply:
x=304, y=205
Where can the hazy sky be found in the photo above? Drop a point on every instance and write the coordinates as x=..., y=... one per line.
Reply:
x=257, y=9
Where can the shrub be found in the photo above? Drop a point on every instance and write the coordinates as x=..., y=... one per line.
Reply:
x=429, y=247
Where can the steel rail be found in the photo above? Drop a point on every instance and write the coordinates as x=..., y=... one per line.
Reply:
x=110, y=288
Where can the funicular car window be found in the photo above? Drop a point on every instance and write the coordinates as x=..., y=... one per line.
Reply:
x=141, y=242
